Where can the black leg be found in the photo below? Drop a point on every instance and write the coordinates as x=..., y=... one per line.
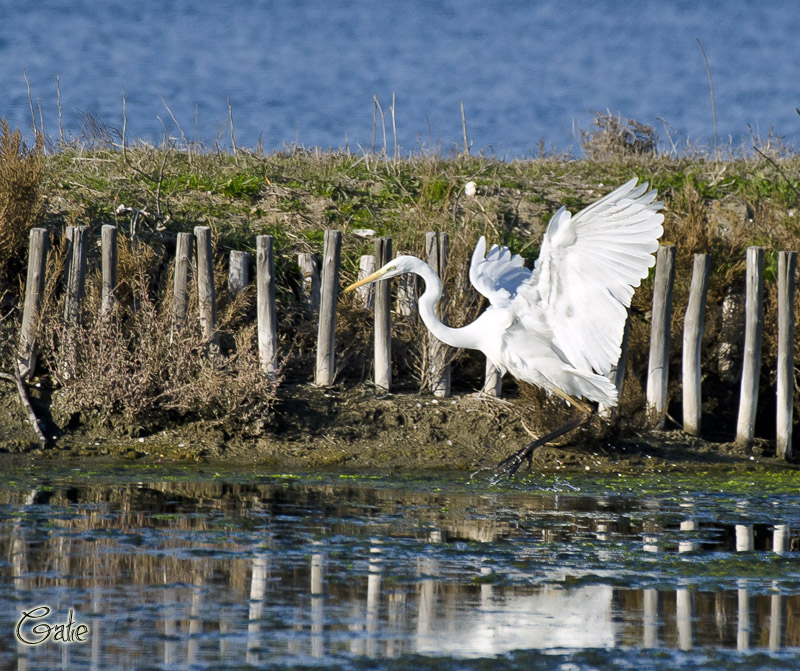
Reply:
x=509, y=466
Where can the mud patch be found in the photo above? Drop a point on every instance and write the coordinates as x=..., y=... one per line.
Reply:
x=361, y=429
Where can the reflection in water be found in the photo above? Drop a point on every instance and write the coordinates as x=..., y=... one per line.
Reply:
x=206, y=575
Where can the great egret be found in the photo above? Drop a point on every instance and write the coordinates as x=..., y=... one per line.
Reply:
x=560, y=326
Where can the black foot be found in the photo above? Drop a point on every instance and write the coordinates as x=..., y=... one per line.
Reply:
x=509, y=466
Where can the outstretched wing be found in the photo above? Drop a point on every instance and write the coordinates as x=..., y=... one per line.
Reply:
x=497, y=274
x=587, y=268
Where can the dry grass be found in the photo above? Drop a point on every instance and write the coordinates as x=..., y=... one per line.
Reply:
x=613, y=137
x=21, y=172
x=714, y=206
x=135, y=370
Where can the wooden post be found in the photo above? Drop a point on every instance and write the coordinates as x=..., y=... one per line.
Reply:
x=751, y=366
x=34, y=291
x=326, y=353
x=206, y=292
x=183, y=261
x=267, y=320
x=383, y=321
x=493, y=381
x=238, y=272
x=366, y=293
x=692, y=339
x=406, y=299
x=437, y=246
x=658, y=366
x=731, y=334
x=76, y=273
x=109, y=269
x=309, y=268
x=617, y=373
x=787, y=265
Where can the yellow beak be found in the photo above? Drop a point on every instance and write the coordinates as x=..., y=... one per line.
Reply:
x=366, y=280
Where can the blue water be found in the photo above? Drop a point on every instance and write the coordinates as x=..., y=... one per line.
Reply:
x=306, y=72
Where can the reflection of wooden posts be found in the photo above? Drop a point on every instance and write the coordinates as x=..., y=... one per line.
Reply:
x=258, y=585
x=180, y=293
x=776, y=615
x=366, y=292
x=265, y=303
x=692, y=339
x=326, y=353
x=787, y=264
x=383, y=319
x=617, y=372
x=170, y=600
x=743, y=618
x=437, y=246
x=684, y=608
x=317, y=605
x=780, y=538
x=309, y=270
x=650, y=618
x=687, y=546
x=744, y=537
x=76, y=273
x=206, y=292
x=658, y=367
x=374, y=597
x=34, y=292
x=751, y=366
x=109, y=267
x=195, y=622
x=238, y=272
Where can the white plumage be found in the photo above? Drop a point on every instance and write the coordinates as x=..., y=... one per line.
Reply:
x=560, y=326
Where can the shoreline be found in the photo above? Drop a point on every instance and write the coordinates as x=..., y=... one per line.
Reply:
x=357, y=430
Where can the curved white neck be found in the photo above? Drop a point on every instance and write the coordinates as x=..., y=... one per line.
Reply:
x=455, y=337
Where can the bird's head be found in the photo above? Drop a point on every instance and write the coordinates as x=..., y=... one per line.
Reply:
x=395, y=267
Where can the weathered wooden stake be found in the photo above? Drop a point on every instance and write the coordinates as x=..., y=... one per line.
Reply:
x=731, y=334
x=366, y=293
x=751, y=366
x=787, y=265
x=692, y=339
x=267, y=319
x=180, y=293
x=383, y=321
x=437, y=246
x=309, y=268
x=76, y=273
x=326, y=352
x=617, y=373
x=658, y=366
x=34, y=292
x=206, y=291
x=406, y=297
x=493, y=382
x=238, y=272
x=109, y=268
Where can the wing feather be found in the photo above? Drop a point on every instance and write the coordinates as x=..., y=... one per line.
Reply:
x=498, y=274
x=588, y=265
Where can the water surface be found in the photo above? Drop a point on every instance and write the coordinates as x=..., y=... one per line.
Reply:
x=209, y=571
x=306, y=72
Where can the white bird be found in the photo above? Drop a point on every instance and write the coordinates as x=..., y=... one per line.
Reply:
x=560, y=326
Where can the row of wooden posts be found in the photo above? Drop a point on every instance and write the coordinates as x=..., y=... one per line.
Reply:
x=321, y=288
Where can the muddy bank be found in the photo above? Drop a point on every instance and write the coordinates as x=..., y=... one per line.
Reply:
x=360, y=429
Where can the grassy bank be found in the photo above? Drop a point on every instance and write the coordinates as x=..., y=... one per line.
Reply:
x=132, y=376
